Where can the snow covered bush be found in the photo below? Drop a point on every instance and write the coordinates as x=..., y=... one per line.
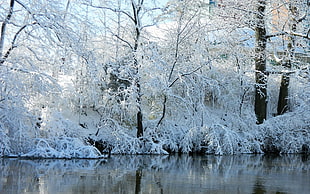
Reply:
x=62, y=148
x=17, y=123
x=288, y=133
x=4, y=144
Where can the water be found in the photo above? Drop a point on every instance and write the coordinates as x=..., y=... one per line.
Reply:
x=158, y=174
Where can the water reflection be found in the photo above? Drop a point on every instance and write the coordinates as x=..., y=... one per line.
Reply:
x=159, y=174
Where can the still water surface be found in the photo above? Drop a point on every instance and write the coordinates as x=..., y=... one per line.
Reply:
x=159, y=174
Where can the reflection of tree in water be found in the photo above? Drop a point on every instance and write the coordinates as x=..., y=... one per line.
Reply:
x=259, y=187
x=305, y=158
x=138, y=181
x=158, y=174
x=12, y=172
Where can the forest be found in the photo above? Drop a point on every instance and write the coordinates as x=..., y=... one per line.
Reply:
x=83, y=79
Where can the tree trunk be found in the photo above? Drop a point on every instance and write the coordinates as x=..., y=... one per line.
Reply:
x=3, y=26
x=260, y=64
x=136, y=8
x=285, y=79
x=283, y=95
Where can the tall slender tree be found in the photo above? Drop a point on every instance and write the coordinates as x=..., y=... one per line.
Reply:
x=295, y=18
x=260, y=63
x=136, y=18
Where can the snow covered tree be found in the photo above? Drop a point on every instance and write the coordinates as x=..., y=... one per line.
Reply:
x=294, y=31
x=133, y=11
x=260, y=63
x=33, y=36
x=135, y=76
x=273, y=23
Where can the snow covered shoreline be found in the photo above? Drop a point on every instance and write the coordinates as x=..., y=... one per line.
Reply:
x=271, y=137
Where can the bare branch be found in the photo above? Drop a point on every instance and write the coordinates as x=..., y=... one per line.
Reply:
x=186, y=74
x=125, y=41
x=306, y=36
x=111, y=9
x=164, y=112
x=301, y=35
x=302, y=18
x=8, y=52
x=24, y=6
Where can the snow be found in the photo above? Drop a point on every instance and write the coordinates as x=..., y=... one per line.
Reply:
x=65, y=85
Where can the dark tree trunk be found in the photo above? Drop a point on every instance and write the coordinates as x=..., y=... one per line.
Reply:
x=138, y=181
x=260, y=64
x=139, y=96
x=283, y=95
x=283, y=101
x=4, y=25
x=140, y=124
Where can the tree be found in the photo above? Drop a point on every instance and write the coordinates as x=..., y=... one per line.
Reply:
x=297, y=15
x=260, y=63
x=32, y=36
x=271, y=20
x=134, y=12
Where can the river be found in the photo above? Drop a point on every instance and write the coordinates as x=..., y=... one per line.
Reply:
x=158, y=174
